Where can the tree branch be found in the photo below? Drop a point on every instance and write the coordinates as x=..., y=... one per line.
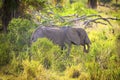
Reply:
x=105, y=19
x=93, y=18
x=84, y=17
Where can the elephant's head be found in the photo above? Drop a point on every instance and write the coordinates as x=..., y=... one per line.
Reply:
x=36, y=34
x=78, y=36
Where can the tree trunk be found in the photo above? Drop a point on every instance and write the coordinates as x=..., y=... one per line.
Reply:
x=6, y=15
x=8, y=8
x=116, y=2
x=92, y=4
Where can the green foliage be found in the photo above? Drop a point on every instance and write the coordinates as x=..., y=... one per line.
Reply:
x=105, y=1
x=56, y=16
x=20, y=31
x=4, y=50
x=76, y=8
x=37, y=4
x=104, y=57
x=47, y=59
x=117, y=43
x=0, y=3
x=80, y=9
x=77, y=72
x=31, y=69
x=17, y=40
x=47, y=53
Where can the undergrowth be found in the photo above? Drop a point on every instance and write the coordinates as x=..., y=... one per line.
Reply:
x=48, y=62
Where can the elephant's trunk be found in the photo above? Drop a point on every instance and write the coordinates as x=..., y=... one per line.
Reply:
x=86, y=44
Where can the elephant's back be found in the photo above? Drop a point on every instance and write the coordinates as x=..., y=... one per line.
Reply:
x=55, y=34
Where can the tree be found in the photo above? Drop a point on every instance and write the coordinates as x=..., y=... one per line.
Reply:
x=92, y=4
x=9, y=9
x=15, y=8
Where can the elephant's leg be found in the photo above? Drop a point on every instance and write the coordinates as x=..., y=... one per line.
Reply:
x=69, y=49
x=63, y=47
x=66, y=47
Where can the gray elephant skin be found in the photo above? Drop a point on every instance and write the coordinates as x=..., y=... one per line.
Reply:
x=63, y=36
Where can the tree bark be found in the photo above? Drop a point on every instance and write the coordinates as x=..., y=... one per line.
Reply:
x=92, y=4
x=8, y=8
x=116, y=2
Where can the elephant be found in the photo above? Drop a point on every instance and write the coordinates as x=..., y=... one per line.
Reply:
x=62, y=36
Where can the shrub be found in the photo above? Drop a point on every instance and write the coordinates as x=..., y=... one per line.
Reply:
x=45, y=51
x=20, y=31
x=77, y=72
x=16, y=41
x=5, y=50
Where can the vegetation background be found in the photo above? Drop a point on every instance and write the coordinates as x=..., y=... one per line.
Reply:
x=19, y=18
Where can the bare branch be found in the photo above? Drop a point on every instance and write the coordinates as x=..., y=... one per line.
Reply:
x=94, y=20
x=100, y=23
x=84, y=17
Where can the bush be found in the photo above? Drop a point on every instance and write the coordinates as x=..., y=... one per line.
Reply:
x=77, y=72
x=20, y=31
x=16, y=41
x=5, y=50
x=47, y=53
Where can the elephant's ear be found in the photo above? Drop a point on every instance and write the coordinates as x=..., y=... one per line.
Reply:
x=73, y=36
